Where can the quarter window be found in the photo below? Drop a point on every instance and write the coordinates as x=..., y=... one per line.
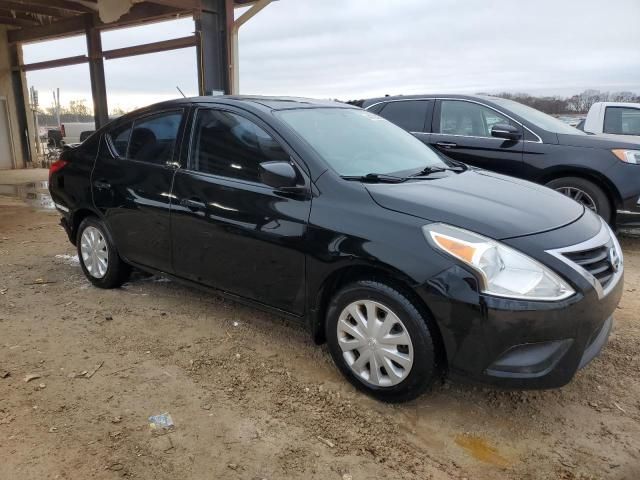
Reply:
x=469, y=119
x=622, y=121
x=408, y=114
x=229, y=145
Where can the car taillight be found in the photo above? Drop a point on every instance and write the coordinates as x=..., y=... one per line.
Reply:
x=56, y=166
x=62, y=130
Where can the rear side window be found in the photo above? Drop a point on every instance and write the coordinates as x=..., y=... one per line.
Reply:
x=408, y=114
x=229, y=145
x=153, y=139
x=622, y=121
x=120, y=138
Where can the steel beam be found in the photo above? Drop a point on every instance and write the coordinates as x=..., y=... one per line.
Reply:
x=96, y=71
x=155, y=47
x=212, y=48
x=234, y=67
x=58, y=62
x=18, y=83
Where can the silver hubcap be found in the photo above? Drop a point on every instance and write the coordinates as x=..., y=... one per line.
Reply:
x=375, y=343
x=95, y=255
x=579, y=196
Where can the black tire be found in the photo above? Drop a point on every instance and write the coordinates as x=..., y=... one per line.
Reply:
x=600, y=199
x=423, y=371
x=117, y=271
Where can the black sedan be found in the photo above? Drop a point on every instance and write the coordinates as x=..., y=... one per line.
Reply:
x=507, y=137
x=408, y=264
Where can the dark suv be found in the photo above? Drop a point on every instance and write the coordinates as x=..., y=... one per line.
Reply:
x=408, y=264
x=507, y=137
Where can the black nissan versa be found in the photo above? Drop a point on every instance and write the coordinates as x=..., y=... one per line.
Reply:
x=507, y=137
x=408, y=264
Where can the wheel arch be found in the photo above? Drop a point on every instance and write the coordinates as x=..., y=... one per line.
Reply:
x=594, y=176
x=352, y=273
x=77, y=218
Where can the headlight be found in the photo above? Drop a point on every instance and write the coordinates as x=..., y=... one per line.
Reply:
x=629, y=156
x=503, y=271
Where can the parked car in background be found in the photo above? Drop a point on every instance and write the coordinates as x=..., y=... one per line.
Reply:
x=407, y=263
x=72, y=131
x=505, y=136
x=614, y=118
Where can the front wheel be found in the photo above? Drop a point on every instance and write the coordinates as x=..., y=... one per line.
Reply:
x=585, y=192
x=98, y=256
x=380, y=341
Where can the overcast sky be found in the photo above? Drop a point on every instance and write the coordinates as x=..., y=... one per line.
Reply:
x=359, y=48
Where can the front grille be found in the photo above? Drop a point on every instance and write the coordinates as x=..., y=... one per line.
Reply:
x=597, y=261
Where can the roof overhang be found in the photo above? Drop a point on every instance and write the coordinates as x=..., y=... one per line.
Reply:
x=36, y=20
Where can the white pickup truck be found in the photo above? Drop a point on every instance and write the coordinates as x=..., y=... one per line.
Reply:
x=72, y=131
x=614, y=118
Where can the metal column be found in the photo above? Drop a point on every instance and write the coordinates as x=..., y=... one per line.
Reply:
x=212, y=48
x=96, y=71
x=19, y=88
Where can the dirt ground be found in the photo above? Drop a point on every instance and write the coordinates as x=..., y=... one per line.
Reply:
x=251, y=397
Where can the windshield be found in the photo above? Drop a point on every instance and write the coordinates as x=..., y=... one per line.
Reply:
x=538, y=118
x=356, y=143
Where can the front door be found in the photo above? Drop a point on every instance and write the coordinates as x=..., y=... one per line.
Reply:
x=229, y=230
x=131, y=185
x=462, y=131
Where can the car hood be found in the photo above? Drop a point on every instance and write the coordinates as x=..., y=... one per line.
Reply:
x=599, y=141
x=488, y=203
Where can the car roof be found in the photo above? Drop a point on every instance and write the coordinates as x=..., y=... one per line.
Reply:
x=257, y=101
x=372, y=101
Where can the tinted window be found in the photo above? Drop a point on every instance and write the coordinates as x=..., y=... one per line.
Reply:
x=470, y=119
x=622, y=121
x=408, y=114
x=230, y=145
x=120, y=138
x=153, y=139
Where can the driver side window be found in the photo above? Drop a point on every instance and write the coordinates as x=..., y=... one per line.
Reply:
x=458, y=117
x=229, y=145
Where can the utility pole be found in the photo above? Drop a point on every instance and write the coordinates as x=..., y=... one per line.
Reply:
x=56, y=105
x=33, y=93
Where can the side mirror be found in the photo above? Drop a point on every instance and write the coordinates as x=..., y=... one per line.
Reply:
x=278, y=174
x=506, y=131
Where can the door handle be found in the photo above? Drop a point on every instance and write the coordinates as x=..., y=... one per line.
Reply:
x=446, y=144
x=192, y=204
x=101, y=185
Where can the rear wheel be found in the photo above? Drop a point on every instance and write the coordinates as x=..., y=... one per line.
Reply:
x=585, y=192
x=99, y=259
x=380, y=341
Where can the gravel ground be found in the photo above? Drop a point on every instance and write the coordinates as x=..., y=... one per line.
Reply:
x=251, y=397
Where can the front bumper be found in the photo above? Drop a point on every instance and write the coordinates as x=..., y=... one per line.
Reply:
x=521, y=344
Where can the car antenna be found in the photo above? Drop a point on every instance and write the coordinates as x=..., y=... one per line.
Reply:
x=181, y=92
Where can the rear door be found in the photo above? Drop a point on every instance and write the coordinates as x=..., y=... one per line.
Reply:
x=131, y=185
x=229, y=230
x=462, y=131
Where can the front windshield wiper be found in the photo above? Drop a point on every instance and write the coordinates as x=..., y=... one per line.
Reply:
x=375, y=178
x=429, y=170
